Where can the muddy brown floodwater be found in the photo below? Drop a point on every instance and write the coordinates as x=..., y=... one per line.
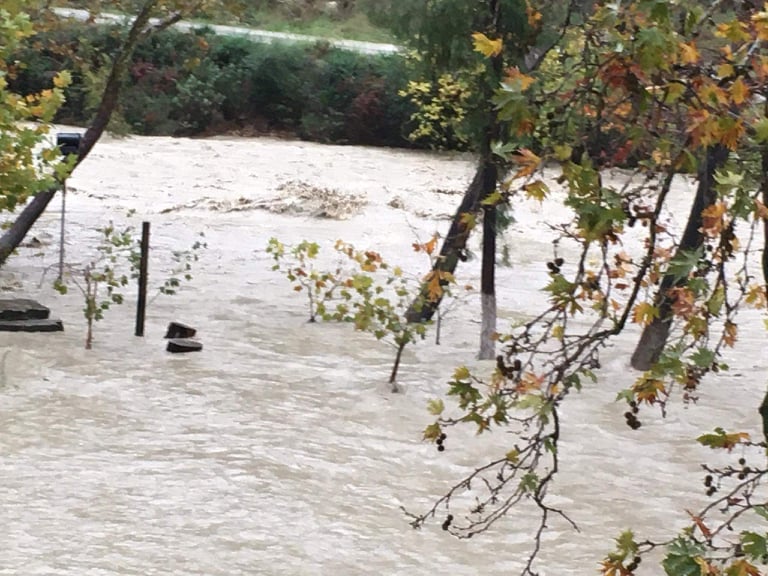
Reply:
x=279, y=449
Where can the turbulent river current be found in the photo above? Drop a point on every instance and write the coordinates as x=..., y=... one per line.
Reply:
x=279, y=449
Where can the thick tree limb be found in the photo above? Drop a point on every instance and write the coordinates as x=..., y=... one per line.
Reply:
x=655, y=335
x=454, y=246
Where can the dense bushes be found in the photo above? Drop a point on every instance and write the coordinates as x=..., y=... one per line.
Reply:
x=201, y=83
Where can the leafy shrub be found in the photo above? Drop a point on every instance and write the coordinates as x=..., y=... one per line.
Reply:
x=197, y=103
x=187, y=83
x=279, y=83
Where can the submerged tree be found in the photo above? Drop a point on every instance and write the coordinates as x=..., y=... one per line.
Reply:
x=440, y=32
x=675, y=91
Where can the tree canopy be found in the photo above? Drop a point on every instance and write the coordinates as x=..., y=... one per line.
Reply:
x=28, y=162
x=666, y=91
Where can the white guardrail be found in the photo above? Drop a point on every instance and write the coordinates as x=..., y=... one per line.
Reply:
x=264, y=36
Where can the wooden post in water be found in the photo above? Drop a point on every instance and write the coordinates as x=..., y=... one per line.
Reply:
x=143, y=266
x=61, y=231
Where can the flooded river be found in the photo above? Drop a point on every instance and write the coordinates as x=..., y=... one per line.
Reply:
x=279, y=449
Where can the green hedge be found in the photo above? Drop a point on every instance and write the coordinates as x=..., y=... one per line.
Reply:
x=192, y=83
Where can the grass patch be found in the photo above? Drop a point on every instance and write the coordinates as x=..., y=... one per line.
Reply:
x=352, y=26
x=355, y=27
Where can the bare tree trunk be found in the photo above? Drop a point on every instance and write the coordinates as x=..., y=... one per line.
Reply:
x=488, y=285
x=14, y=236
x=764, y=193
x=655, y=335
x=396, y=367
x=454, y=246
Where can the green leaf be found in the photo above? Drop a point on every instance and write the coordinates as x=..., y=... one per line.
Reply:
x=721, y=439
x=681, y=558
x=626, y=544
x=529, y=482
x=432, y=432
x=754, y=545
x=761, y=130
x=683, y=262
x=703, y=357
x=503, y=149
x=761, y=511
x=532, y=401
x=716, y=301
x=492, y=199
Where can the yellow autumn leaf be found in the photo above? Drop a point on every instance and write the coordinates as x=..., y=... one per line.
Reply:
x=743, y=568
x=537, y=190
x=486, y=46
x=461, y=373
x=739, y=91
x=644, y=313
x=724, y=70
x=468, y=220
x=62, y=79
x=648, y=389
x=689, y=54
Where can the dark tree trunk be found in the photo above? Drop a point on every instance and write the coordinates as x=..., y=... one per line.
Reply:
x=764, y=193
x=15, y=235
x=488, y=285
x=655, y=335
x=454, y=246
x=423, y=308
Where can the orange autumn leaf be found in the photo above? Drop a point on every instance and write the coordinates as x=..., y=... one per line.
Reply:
x=523, y=80
x=689, y=54
x=730, y=334
x=434, y=287
x=699, y=522
x=534, y=16
x=756, y=296
x=712, y=219
x=734, y=31
x=731, y=133
x=683, y=301
x=761, y=211
x=428, y=247
x=529, y=383
x=648, y=390
x=527, y=161
x=613, y=568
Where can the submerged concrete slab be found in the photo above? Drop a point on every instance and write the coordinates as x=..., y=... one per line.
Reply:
x=22, y=309
x=33, y=325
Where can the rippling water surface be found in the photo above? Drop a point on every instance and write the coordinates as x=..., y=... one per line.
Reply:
x=279, y=449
